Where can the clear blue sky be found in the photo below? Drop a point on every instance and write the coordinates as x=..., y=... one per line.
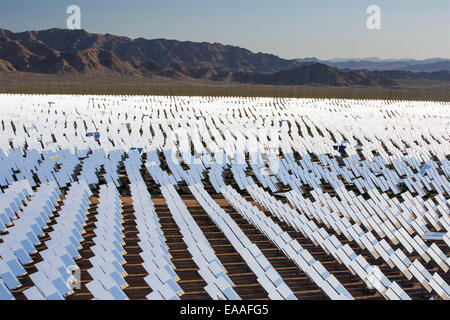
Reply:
x=289, y=28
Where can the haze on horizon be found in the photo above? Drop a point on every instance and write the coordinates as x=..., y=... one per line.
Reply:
x=290, y=29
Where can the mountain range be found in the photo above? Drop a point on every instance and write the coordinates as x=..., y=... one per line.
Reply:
x=371, y=64
x=62, y=52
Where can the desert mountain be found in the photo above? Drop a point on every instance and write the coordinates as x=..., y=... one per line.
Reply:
x=81, y=51
x=315, y=73
x=376, y=64
x=408, y=75
x=62, y=51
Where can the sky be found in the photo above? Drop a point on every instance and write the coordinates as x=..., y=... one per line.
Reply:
x=288, y=28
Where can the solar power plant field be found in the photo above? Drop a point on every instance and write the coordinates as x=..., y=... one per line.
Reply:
x=166, y=198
